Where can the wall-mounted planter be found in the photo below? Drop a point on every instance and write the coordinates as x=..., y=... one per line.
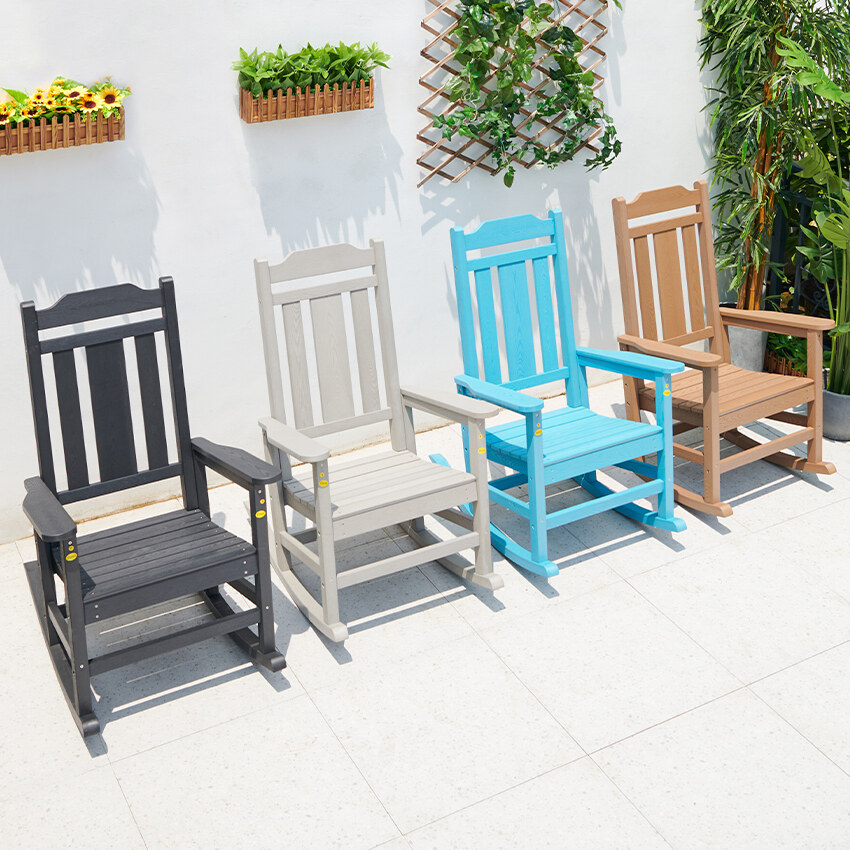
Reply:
x=295, y=103
x=65, y=132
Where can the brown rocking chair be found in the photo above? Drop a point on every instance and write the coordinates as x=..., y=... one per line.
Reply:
x=712, y=394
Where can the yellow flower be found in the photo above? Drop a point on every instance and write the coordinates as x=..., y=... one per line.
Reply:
x=110, y=96
x=75, y=93
x=90, y=102
x=38, y=96
x=6, y=110
x=30, y=111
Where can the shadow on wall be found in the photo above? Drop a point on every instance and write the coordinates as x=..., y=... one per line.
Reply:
x=75, y=219
x=535, y=191
x=320, y=178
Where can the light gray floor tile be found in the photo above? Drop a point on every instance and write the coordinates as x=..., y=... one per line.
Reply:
x=817, y=542
x=814, y=697
x=388, y=619
x=749, y=606
x=608, y=664
x=575, y=806
x=443, y=729
x=733, y=774
x=89, y=812
x=166, y=697
x=11, y=563
x=580, y=572
x=275, y=778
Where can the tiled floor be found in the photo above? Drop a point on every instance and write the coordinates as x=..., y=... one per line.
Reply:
x=664, y=690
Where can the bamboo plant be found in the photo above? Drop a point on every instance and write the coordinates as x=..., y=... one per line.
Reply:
x=832, y=215
x=761, y=115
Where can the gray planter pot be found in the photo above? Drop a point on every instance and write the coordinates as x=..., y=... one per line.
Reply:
x=746, y=346
x=836, y=416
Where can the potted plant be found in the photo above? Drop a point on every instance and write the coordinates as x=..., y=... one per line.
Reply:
x=831, y=221
x=65, y=114
x=313, y=81
x=760, y=115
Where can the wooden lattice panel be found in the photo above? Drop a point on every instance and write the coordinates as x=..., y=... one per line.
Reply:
x=454, y=158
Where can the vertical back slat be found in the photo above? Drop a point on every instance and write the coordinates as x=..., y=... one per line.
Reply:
x=296, y=356
x=516, y=320
x=696, y=307
x=192, y=495
x=464, y=302
x=364, y=342
x=110, y=401
x=644, y=280
x=545, y=314
x=70, y=418
x=487, y=325
x=332, y=361
x=151, y=393
x=38, y=395
x=720, y=341
x=389, y=357
x=668, y=269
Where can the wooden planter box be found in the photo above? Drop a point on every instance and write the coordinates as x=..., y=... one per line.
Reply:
x=65, y=132
x=294, y=103
x=780, y=366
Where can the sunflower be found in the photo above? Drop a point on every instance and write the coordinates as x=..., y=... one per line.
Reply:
x=39, y=96
x=90, y=102
x=110, y=95
x=6, y=111
x=30, y=111
x=74, y=92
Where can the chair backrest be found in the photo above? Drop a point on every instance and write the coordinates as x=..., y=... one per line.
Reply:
x=337, y=335
x=108, y=429
x=659, y=301
x=516, y=323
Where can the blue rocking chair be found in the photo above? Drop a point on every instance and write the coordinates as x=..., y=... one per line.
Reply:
x=572, y=443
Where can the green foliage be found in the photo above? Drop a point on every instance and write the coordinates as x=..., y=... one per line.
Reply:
x=762, y=110
x=828, y=250
x=310, y=66
x=496, y=108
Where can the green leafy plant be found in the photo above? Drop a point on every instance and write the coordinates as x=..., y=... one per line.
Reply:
x=761, y=114
x=495, y=106
x=62, y=97
x=310, y=66
x=832, y=217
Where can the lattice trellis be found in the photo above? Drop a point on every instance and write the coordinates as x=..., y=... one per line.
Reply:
x=454, y=158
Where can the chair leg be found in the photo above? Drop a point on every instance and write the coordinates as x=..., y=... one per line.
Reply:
x=325, y=544
x=268, y=656
x=48, y=591
x=711, y=436
x=80, y=694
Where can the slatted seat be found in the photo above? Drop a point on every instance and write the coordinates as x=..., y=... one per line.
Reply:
x=668, y=284
x=390, y=481
x=179, y=543
x=345, y=390
x=569, y=434
x=739, y=389
x=131, y=567
x=508, y=301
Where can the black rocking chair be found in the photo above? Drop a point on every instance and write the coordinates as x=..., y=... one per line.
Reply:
x=155, y=560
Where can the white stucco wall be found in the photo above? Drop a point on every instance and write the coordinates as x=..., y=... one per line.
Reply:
x=195, y=193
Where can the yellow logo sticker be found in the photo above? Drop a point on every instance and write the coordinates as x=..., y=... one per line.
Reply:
x=323, y=483
x=260, y=514
x=538, y=432
x=666, y=392
x=482, y=451
x=71, y=556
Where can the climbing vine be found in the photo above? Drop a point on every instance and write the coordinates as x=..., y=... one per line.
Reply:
x=500, y=45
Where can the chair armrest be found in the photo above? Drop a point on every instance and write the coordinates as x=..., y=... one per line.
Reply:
x=458, y=408
x=293, y=442
x=239, y=466
x=50, y=521
x=695, y=359
x=772, y=320
x=628, y=363
x=509, y=399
